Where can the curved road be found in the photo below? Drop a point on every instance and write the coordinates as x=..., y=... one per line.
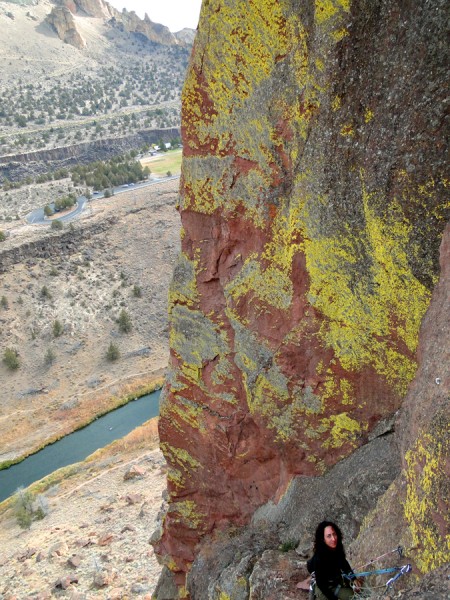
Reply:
x=37, y=217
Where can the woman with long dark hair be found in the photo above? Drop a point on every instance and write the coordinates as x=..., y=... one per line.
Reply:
x=329, y=564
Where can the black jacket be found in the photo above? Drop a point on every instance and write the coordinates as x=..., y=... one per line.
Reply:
x=328, y=566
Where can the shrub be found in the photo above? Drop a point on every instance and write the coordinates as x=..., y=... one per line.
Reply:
x=112, y=353
x=45, y=293
x=2, y=236
x=48, y=211
x=288, y=545
x=49, y=357
x=11, y=359
x=57, y=225
x=124, y=321
x=4, y=302
x=58, y=328
x=23, y=508
x=137, y=292
x=28, y=509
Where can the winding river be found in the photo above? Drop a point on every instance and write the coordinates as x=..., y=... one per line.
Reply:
x=80, y=444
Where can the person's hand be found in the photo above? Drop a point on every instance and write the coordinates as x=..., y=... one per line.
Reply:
x=358, y=584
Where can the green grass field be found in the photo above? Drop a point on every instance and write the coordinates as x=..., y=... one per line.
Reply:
x=159, y=165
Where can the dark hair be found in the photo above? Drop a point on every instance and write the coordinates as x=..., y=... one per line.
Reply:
x=319, y=539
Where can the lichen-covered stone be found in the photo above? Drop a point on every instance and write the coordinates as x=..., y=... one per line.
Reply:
x=313, y=201
x=415, y=511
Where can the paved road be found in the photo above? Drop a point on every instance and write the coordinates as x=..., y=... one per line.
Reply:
x=37, y=217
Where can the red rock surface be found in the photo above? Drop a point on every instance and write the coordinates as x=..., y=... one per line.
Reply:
x=311, y=228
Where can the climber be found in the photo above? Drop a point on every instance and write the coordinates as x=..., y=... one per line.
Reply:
x=329, y=564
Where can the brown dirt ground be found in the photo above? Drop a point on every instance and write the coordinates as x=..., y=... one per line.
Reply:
x=95, y=515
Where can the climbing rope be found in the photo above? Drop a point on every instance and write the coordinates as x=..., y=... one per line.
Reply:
x=366, y=591
x=398, y=550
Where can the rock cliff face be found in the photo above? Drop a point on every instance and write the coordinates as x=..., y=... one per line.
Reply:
x=93, y=8
x=313, y=201
x=61, y=18
x=415, y=511
x=154, y=32
x=63, y=22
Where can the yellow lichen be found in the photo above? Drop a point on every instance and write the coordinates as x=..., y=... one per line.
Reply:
x=344, y=429
x=347, y=130
x=362, y=313
x=336, y=103
x=188, y=513
x=183, y=287
x=327, y=9
x=180, y=457
x=428, y=495
x=368, y=115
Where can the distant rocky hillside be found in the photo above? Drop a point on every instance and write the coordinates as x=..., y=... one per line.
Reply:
x=62, y=19
x=114, y=87
x=314, y=200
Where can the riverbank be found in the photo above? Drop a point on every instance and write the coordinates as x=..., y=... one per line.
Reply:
x=94, y=542
x=95, y=410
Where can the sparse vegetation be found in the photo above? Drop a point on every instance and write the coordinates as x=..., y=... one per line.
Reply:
x=49, y=357
x=57, y=328
x=113, y=353
x=45, y=293
x=57, y=225
x=27, y=508
x=11, y=359
x=288, y=545
x=97, y=98
x=124, y=321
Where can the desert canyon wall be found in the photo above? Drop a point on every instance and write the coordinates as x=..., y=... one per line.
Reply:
x=313, y=203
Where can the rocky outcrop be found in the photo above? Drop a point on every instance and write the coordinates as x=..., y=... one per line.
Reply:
x=63, y=244
x=186, y=36
x=154, y=32
x=313, y=205
x=129, y=21
x=407, y=471
x=94, y=8
x=18, y=166
x=91, y=8
x=63, y=22
x=358, y=480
